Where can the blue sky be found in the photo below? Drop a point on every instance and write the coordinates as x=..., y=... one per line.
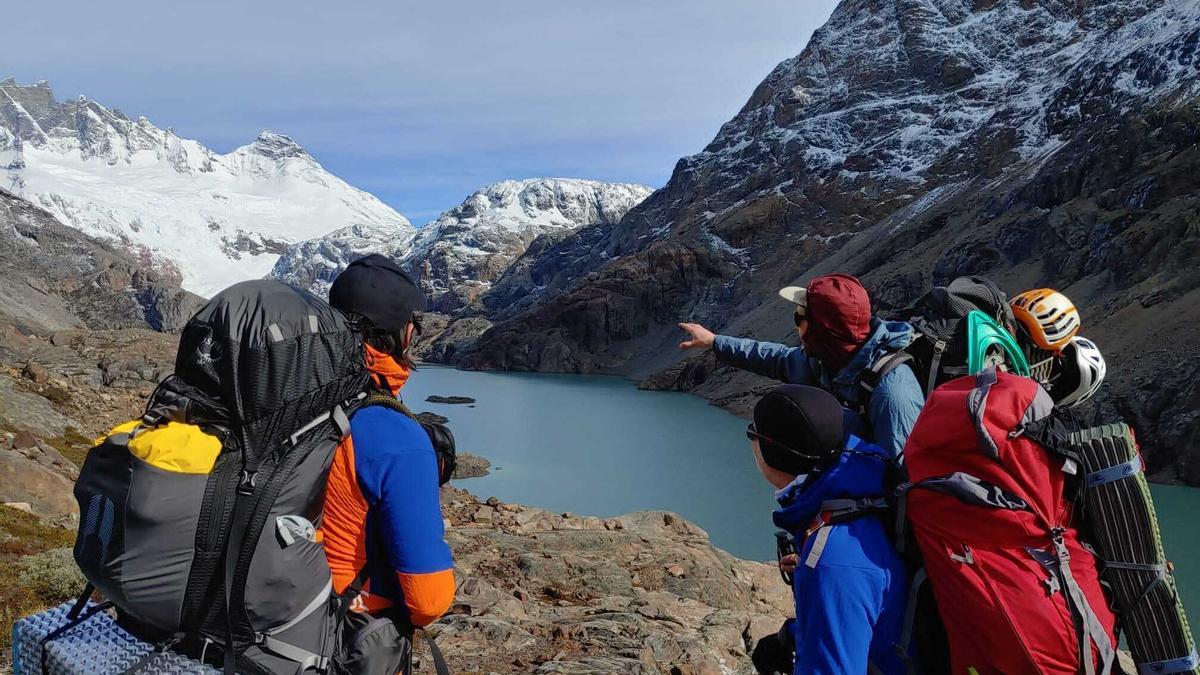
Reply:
x=422, y=103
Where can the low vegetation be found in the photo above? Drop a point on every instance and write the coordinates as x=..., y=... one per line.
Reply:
x=36, y=569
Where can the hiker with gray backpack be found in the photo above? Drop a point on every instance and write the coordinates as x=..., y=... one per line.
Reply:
x=276, y=509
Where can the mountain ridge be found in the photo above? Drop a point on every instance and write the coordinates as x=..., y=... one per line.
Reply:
x=1042, y=143
x=206, y=218
x=457, y=256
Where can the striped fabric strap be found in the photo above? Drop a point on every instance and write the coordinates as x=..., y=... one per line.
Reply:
x=1183, y=665
x=1115, y=473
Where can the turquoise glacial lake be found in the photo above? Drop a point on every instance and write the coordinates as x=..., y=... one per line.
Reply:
x=595, y=445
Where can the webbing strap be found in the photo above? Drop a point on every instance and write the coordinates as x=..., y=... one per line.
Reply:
x=1182, y=665
x=72, y=621
x=837, y=507
x=818, y=547
x=939, y=348
x=910, y=618
x=977, y=407
x=307, y=660
x=321, y=600
x=1161, y=576
x=1091, y=629
x=1115, y=472
x=439, y=660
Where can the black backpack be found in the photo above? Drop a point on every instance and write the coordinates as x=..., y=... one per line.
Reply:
x=938, y=352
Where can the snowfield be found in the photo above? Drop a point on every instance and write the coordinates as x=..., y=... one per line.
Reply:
x=215, y=219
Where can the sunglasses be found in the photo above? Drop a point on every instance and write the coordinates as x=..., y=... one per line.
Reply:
x=799, y=318
x=752, y=434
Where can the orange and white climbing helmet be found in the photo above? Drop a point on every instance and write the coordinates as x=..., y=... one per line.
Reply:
x=1049, y=318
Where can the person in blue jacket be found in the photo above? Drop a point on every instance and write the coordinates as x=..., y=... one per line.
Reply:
x=850, y=584
x=840, y=340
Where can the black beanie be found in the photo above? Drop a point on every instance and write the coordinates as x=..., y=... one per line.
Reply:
x=798, y=428
x=376, y=288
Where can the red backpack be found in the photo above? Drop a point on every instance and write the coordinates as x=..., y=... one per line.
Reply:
x=987, y=502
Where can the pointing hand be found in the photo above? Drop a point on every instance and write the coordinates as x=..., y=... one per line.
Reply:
x=699, y=337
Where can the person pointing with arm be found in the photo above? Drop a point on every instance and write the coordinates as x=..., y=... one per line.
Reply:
x=840, y=339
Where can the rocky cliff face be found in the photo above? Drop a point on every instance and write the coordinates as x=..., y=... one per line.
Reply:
x=1036, y=141
x=458, y=256
x=211, y=219
x=53, y=277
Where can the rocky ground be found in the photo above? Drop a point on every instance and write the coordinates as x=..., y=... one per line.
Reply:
x=558, y=593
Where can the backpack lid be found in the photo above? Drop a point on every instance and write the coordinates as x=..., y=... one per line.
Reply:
x=261, y=359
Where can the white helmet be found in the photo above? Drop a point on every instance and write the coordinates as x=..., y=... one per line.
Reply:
x=1082, y=373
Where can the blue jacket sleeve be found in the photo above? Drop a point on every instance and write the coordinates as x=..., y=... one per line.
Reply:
x=776, y=361
x=836, y=611
x=894, y=407
x=410, y=513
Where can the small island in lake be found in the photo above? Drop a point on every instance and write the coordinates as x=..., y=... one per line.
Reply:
x=450, y=400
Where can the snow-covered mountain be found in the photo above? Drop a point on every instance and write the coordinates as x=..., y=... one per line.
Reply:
x=1039, y=142
x=460, y=254
x=209, y=219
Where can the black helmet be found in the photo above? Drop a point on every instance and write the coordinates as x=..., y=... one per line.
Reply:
x=376, y=289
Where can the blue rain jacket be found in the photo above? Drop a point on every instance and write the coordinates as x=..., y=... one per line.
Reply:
x=894, y=405
x=850, y=586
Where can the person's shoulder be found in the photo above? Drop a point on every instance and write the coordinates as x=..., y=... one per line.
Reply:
x=378, y=429
x=903, y=376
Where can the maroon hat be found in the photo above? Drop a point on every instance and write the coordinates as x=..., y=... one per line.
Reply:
x=839, y=315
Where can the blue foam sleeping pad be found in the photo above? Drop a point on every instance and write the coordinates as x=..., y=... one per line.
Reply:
x=97, y=646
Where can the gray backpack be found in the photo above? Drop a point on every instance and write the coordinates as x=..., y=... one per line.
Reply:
x=198, y=522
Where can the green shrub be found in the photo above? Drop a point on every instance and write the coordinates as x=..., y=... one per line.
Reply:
x=51, y=575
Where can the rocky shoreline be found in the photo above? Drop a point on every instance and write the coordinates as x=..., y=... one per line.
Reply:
x=558, y=593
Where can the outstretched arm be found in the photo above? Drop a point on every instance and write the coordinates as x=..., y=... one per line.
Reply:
x=780, y=362
x=773, y=360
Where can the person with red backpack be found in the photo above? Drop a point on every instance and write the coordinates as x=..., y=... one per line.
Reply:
x=850, y=585
x=840, y=340
x=992, y=475
x=383, y=530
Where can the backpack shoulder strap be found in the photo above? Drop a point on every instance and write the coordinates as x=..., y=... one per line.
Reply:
x=871, y=376
x=382, y=399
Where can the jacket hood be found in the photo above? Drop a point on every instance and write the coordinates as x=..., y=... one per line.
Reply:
x=839, y=315
x=260, y=360
x=860, y=471
x=885, y=337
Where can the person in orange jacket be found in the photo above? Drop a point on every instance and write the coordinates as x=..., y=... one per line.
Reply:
x=383, y=516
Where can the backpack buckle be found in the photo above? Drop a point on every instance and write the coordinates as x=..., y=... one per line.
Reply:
x=247, y=483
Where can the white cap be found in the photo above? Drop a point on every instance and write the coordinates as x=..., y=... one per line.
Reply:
x=797, y=295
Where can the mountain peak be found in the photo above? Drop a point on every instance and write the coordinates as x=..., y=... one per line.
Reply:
x=276, y=146
x=217, y=218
